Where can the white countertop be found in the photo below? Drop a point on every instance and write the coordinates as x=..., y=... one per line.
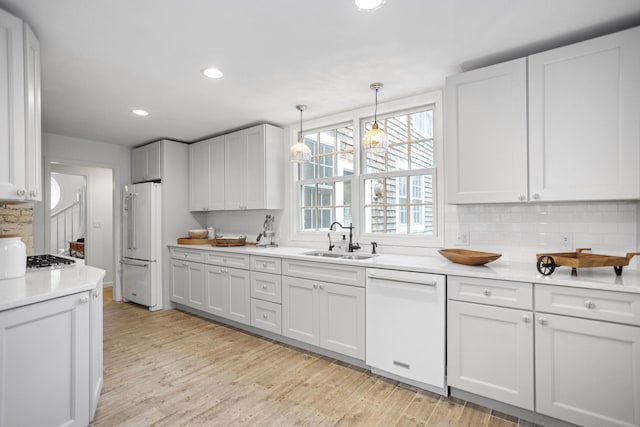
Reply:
x=44, y=284
x=593, y=278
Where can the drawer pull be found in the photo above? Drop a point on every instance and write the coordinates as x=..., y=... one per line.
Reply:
x=486, y=292
x=264, y=316
x=410, y=281
x=526, y=318
x=264, y=265
x=315, y=286
x=402, y=364
x=264, y=287
x=542, y=321
x=589, y=304
x=84, y=299
x=321, y=287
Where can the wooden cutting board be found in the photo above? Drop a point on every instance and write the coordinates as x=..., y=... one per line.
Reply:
x=190, y=241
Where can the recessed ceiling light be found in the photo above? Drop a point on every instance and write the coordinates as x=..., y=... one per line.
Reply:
x=140, y=112
x=212, y=73
x=369, y=4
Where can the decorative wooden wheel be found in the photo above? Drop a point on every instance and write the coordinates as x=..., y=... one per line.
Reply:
x=546, y=265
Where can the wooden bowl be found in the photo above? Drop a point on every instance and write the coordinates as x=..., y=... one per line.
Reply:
x=467, y=257
x=198, y=234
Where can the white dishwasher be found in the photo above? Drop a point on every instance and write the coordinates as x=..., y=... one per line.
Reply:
x=406, y=327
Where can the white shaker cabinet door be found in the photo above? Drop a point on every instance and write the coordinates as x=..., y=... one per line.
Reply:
x=584, y=105
x=199, y=176
x=587, y=371
x=486, y=134
x=490, y=352
x=342, y=319
x=179, y=281
x=300, y=310
x=239, y=283
x=33, y=127
x=44, y=362
x=12, y=109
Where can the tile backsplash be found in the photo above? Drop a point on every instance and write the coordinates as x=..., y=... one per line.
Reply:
x=519, y=231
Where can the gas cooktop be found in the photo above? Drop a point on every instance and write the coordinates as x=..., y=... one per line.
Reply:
x=48, y=261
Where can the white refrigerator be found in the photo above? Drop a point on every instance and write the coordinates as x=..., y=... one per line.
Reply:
x=142, y=248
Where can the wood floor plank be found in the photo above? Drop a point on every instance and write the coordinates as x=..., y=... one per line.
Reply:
x=170, y=368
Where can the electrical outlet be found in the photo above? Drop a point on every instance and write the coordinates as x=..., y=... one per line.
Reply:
x=462, y=238
x=566, y=241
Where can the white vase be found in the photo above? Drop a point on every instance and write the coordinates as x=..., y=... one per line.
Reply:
x=13, y=257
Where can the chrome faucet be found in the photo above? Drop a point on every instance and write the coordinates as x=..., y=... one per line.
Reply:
x=352, y=246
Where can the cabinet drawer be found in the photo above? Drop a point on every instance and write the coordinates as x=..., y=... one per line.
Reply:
x=266, y=286
x=266, y=264
x=266, y=315
x=187, y=254
x=326, y=272
x=228, y=259
x=502, y=293
x=589, y=303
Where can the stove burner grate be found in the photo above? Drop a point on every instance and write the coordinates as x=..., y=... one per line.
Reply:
x=48, y=261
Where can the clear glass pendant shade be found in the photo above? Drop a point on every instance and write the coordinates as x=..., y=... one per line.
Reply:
x=375, y=140
x=300, y=153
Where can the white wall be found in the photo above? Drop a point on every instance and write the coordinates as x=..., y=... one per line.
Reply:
x=84, y=152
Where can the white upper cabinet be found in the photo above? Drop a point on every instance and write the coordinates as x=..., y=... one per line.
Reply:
x=254, y=173
x=146, y=163
x=584, y=108
x=20, y=163
x=207, y=175
x=582, y=128
x=486, y=134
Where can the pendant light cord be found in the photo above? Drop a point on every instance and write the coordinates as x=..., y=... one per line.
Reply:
x=375, y=114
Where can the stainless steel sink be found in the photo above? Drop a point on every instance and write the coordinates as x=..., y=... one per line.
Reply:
x=338, y=255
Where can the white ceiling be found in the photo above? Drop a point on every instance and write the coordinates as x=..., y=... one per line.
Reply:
x=102, y=58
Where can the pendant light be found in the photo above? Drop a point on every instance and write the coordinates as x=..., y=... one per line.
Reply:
x=299, y=152
x=375, y=140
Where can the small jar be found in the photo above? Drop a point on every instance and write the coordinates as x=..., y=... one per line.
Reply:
x=211, y=233
x=13, y=256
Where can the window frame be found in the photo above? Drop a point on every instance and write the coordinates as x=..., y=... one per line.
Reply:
x=355, y=118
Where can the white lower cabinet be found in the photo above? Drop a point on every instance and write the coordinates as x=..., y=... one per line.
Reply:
x=228, y=293
x=587, y=370
x=96, y=356
x=45, y=363
x=491, y=352
x=266, y=315
x=329, y=315
x=187, y=283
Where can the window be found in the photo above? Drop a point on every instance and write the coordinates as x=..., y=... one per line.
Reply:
x=391, y=197
x=398, y=185
x=325, y=184
x=55, y=193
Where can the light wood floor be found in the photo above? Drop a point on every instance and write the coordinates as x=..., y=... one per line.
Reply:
x=169, y=368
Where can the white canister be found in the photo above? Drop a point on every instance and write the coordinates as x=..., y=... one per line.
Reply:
x=211, y=233
x=13, y=256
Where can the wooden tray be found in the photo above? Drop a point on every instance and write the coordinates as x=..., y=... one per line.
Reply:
x=468, y=257
x=190, y=241
x=548, y=262
x=230, y=241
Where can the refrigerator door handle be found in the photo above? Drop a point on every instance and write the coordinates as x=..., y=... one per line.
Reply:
x=134, y=262
x=132, y=222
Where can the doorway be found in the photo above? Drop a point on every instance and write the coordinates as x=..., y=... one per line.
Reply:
x=92, y=218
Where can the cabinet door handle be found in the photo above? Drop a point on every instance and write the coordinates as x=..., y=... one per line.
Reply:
x=589, y=304
x=264, y=265
x=536, y=196
x=402, y=364
x=34, y=192
x=264, y=316
x=321, y=287
x=522, y=198
x=21, y=192
x=84, y=299
x=486, y=292
x=315, y=286
x=526, y=318
x=264, y=287
x=543, y=321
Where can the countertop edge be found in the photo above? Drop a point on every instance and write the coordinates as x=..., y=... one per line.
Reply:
x=603, y=278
